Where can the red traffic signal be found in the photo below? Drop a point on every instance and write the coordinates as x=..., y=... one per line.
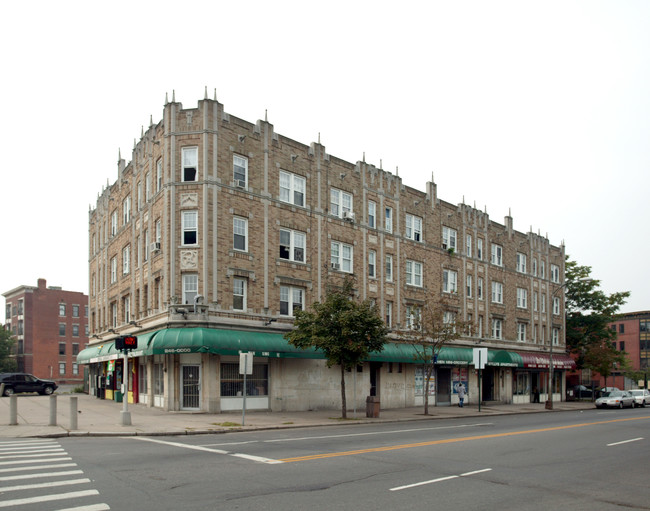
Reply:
x=126, y=342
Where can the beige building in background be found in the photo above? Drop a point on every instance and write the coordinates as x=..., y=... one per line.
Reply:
x=218, y=229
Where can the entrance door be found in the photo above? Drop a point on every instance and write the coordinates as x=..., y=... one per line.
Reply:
x=488, y=384
x=443, y=387
x=190, y=387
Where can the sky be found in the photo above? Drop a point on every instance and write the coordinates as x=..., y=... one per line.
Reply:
x=541, y=109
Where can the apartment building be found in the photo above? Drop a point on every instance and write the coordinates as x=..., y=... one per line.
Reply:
x=51, y=328
x=219, y=229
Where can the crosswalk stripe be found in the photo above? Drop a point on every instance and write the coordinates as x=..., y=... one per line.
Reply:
x=92, y=507
x=50, y=452
x=28, y=447
x=13, y=454
x=47, y=460
x=48, y=498
x=52, y=484
x=41, y=467
x=42, y=474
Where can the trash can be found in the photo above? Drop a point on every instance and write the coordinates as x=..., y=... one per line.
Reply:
x=118, y=396
x=372, y=406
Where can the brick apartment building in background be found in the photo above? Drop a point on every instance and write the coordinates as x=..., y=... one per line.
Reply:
x=219, y=229
x=633, y=337
x=51, y=328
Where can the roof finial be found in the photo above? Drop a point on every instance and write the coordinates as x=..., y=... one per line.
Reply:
x=319, y=137
x=119, y=154
x=134, y=143
x=173, y=96
x=396, y=170
x=141, y=131
x=166, y=98
x=206, y=92
x=509, y=211
x=266, y=115
x=364, y=156
x=215, y=93
x=381, y=163
x=463, y=200
x=150, y=120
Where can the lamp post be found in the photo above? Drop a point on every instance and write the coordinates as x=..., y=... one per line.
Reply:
x=549, y=401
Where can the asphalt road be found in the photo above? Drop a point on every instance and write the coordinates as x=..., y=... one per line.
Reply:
x=595, y=459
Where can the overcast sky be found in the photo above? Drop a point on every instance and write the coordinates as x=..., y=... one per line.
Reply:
x=541, y=108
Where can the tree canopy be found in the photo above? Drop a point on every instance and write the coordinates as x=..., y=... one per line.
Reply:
x=589, y=312
x=7, y=362
x=345, y=329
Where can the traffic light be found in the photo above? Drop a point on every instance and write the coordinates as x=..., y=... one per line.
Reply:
x=126, y=342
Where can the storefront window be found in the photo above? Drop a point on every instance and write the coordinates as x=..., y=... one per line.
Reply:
x=232, y=383
x=520, y=384
x=142, y=379
x=158, y=378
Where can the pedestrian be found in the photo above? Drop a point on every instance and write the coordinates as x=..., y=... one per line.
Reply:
x=535, y=395
x=461, y=394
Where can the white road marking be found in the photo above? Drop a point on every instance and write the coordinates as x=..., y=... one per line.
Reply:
x=92, y=507
x=13, y=454
x=447, y=478
x=52, y=484
x=18, y=469
x=51, y=452
x=29, y=447
x=48, y=498
x=625, y=442
x=47, y=460
x=41, y=474
x=475, y=472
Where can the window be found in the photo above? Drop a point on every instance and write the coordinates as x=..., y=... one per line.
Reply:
x=388, y=219
x=8, y=311
x=62, y=309
x=556, y=336
x=232, y=383
x=292, y=299
x=372, y=214
x=75, y=348
x=190, y=287
x=190, y=163
x=521, y=332
x=414, y=273
x=340, y=203
x=542, y=269
x=113, y=314
x=479, y=248
x=75, y=311
x=75, y=330
x=389, y=268
x=292, y=245
x=146, y=245
x=240, y=233
x=497, y=292
x=449, y=237
x=621, y=346
x=497, y=254
x=126, y=307
x=147, y=187
x=555, y=274
x=126, y=210
x=158, y=231
x=497, y=328
x=449, y=281
x=413, y=315
x=113, y=270
x=543, y=303
x=522, y=298
x=292, y=188
x=480, y=326
x=189, y=227
x=556, y=306
x=413, y=227
x=139, y=196
x=468, y=245
x=239, y=294
x=468, y=282
x=449, y=318
x=113, y=223
x=534, y=267
x=388, y=318
x=372, y=264
x=61, y=348
x=535, y=298
x=621, y=327
x=341, y=257
x=479, y=288
x=240, y=170
x=159, y=176
x=61, y=368
x=521, y=262
x=126, y=260
x=75, y=369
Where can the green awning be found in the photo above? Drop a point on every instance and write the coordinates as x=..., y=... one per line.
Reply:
x=504, y=358
x=103, y=351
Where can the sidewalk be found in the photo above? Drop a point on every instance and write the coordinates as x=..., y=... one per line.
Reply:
x=98, y=417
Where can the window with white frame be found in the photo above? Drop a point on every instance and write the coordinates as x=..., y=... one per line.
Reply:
x=479, y=249
x=292, y=299
x=114, y=314
x=126, y=307
x=497, y=292
x=497, y=328
x=522, y=298
x=240, y=170
x=449, y=238
x=146, y=245
x=239, y=286
x=449, y=281
x=126, y=260
x=126, y=210
x=521, y=332
x=389, y=268
x=292, y=245
x=139, y=205
x=497, y=255
x=479, y=288
x=468, y=286
x=480, y=326
x=556, y=336
x=556, y=306
x=372, y=214
x=341, y=256
x=388, y=316
x=372, y=264
x=190, y=287
x=521, y=262
x=113, y=223
x=292, y=188
x=534, y=267
x=340, y=203
x=113, y=270
x=534, y=337
x=190, y=163
x=535, y=299
x=414, y=273
x=159, y=176
x=388, y=219
x=61, y=368
x=413, y=227
x=449, y=318
x=543, y=303
x=468, y=245
x=542, y=269
x=240, y=233
x=189, y=227
x=413, y=317
x=147, y=187
x=555, y=273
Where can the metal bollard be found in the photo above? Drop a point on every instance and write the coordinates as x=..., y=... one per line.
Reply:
x=73, y=412
x=13, y=410
x=52, y=410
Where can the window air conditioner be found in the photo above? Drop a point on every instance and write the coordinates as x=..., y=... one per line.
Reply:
x=240, y=183
x=336, y=266
x=348, y=215
x=155, y=246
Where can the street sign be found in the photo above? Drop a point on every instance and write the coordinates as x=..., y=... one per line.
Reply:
x=480, y=356
x=126, y=342
x=245, y=363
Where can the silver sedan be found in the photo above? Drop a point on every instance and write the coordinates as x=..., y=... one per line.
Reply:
x=615, y=399
x=641, y=397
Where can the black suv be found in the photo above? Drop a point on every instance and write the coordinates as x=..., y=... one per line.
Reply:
x=23, y=382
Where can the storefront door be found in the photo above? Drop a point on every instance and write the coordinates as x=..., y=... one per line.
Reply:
x=190, y=387
x=443, y=390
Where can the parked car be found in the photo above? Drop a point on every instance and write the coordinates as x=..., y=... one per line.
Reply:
x=605, y=390
x=641, y=397
x=23, y=382
x=615, y=399
x=582, y=392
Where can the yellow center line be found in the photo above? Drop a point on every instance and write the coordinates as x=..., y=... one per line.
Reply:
x=452, y=440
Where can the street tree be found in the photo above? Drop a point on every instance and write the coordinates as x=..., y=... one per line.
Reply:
x=589, y=313
x=430, y=327
x=345, y=329
x=7, y=342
